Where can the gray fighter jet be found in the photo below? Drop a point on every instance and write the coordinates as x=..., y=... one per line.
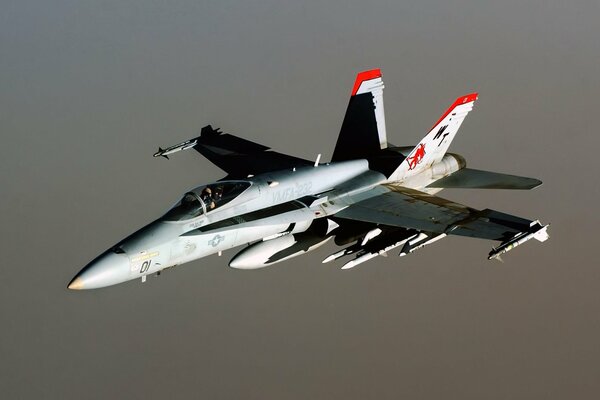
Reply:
x=372, y=197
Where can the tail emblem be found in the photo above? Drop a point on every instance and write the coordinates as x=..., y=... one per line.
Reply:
x=417, y=157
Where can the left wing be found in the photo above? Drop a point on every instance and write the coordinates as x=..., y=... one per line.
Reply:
x=411, y=209
x=236, y=156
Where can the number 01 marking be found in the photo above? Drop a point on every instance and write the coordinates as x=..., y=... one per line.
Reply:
x=145, y=266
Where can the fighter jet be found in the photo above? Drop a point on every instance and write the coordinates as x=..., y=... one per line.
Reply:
x=372, y=197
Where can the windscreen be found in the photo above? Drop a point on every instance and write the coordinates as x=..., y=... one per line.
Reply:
x=205, y=199
x=189, y=207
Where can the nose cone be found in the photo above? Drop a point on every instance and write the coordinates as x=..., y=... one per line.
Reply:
x=108, y=269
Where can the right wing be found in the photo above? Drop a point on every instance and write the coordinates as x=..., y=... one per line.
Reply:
x=236, y=156
x=240, y=157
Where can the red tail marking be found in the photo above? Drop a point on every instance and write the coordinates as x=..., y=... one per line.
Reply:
x=417, y=157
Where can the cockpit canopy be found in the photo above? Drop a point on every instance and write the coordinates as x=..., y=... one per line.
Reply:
x=204, y=199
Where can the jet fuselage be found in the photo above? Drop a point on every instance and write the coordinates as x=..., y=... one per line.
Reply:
x=282, y=202
x=283, y=206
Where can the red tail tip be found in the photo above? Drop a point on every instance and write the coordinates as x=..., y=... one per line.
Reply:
x=468, y=98
x=365, y=76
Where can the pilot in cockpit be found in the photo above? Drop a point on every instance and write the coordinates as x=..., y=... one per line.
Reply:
x=207, y=198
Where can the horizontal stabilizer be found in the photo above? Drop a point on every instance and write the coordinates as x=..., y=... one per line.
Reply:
x=468, y=178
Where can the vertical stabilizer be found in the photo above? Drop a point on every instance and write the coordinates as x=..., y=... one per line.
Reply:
x=363, y=130
x=433, y=146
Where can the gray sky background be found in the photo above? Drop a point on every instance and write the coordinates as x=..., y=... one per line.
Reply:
x=89, y=90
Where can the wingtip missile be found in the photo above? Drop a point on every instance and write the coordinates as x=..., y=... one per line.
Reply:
x=188, y=144
x=161, y=153
x=537, y=231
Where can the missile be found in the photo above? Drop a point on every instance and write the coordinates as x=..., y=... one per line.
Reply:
x=412, y=241
x=371, y=235
x=537, y=231
x=188, y=144
x=359, y=260
x=409, y=246
x=344, y=252
x=373, y=240
x=366, y=256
